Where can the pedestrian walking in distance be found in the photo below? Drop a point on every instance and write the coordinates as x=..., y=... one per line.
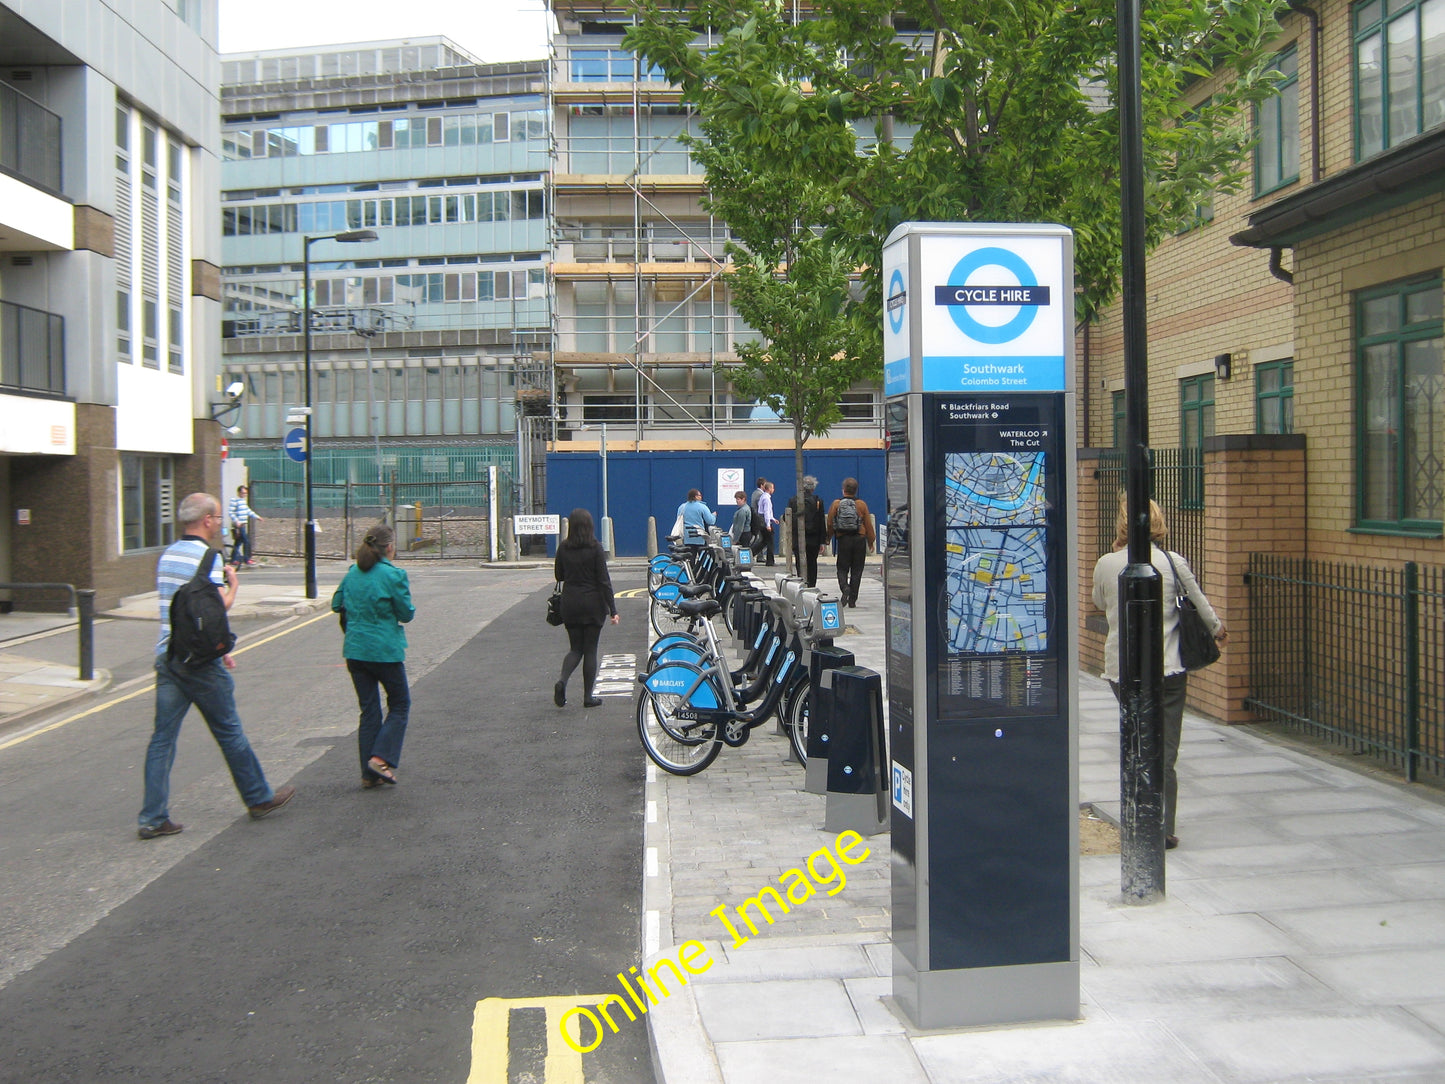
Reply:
x=207, y=685
x=741, y=530
x=1176, y=678
x=241, y=517
x=756, y=522
x=768, y=520
x=587, y=604
x=850, y=523
x=374, y=600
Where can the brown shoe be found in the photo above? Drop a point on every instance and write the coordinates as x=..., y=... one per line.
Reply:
x=165, y=828
x=280, y=798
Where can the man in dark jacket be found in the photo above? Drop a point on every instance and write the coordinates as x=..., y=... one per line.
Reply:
x=807, y=509
x=762, y=537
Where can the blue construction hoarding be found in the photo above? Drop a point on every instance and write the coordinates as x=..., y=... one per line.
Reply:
x=643, y=484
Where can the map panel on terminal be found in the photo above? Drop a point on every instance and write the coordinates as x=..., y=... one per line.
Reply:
x=995, y=552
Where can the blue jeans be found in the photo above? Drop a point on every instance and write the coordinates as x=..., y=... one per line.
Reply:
x=212, y=691
x=375, y=736
x=241, y=548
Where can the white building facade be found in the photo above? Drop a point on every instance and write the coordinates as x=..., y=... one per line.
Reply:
x=109, y=284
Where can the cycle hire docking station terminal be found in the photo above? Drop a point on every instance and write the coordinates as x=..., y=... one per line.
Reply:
x=981, y=586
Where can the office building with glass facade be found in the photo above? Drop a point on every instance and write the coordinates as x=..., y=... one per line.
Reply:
x=420, y=339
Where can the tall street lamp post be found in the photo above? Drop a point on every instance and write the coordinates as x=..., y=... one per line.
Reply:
x=346, y=237
x=1141, y=638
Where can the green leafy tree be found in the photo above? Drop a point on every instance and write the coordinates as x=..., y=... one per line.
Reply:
x=790, y=282
x=963, y=110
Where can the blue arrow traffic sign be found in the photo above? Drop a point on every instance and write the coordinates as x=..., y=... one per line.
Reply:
x=296, y=444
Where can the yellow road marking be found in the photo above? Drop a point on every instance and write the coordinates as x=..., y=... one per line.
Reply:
x=148, y=687
x=490, y=1050
x=631, y=592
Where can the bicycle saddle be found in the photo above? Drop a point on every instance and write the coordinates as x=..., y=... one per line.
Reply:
x=700, y=607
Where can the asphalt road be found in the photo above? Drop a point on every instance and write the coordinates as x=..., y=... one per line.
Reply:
x=357, y=935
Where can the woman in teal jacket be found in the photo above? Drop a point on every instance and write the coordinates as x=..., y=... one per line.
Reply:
x=374, y=601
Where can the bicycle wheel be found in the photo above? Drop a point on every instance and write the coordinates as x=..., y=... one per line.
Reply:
x=674, y=746
x=796, y=722
x=665, y=620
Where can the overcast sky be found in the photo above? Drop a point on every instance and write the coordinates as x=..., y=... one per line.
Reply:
x=492, y=30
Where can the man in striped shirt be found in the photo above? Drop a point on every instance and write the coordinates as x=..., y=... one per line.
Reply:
x=241, y=517
x=208, y=686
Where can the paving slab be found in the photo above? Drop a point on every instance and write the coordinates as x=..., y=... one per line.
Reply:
x=800, y=1061
x=786, y=1009
x=1102, y=1052
x=1384, y=977
x=1391, y=924
x=1285, y=1047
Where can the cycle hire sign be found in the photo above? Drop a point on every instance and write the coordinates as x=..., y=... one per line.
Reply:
x=977, y=307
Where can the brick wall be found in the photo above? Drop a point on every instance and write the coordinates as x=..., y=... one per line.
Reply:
x=74, y=533
x=1255, y=494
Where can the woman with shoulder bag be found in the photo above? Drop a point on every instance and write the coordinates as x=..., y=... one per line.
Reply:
x=587, y=604
x=374, y=599
x=1178, y=579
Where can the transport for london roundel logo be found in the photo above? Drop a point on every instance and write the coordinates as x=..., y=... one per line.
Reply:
x=897, y=297
x=992, y=334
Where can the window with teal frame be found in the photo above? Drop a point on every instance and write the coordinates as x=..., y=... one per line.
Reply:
x=1274, y=397
x=1276, y=123
x=1400, y=403
x=1204, y=209
x=1196, y=423
x=1399, y=63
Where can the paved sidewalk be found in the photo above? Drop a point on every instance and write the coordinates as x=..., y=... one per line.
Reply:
x=1303, y=937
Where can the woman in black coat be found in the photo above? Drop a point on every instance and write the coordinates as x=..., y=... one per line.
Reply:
x=587, y=603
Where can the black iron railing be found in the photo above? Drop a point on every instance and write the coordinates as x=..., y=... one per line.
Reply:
x=1176, y=482
x=1352, y=654
x=29, y=140
x=32, y=349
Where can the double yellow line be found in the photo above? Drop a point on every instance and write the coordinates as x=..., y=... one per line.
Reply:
x=148, y=685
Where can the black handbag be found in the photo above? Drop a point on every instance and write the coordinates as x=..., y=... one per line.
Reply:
x=1197, y=646
x=554, y=606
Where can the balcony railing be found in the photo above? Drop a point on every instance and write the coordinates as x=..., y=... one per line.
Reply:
x=595, y=246
x=32, y=349
x=29, y=140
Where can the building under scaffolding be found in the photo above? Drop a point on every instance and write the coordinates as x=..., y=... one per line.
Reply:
x=642, y=321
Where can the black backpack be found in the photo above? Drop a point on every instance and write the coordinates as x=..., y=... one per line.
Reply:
x=200, y=630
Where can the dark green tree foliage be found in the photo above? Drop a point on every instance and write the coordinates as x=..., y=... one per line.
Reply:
x=1000, y=111
x=789, y=281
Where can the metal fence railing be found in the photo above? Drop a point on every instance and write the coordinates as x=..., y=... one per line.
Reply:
x=432, y=520
x=1352, y=654
x=1176, y=482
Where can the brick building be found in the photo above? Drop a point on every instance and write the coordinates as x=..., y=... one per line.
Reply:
x=1294, y=343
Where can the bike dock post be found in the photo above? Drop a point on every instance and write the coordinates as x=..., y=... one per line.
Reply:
x=821, y=658
x=857, y=783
